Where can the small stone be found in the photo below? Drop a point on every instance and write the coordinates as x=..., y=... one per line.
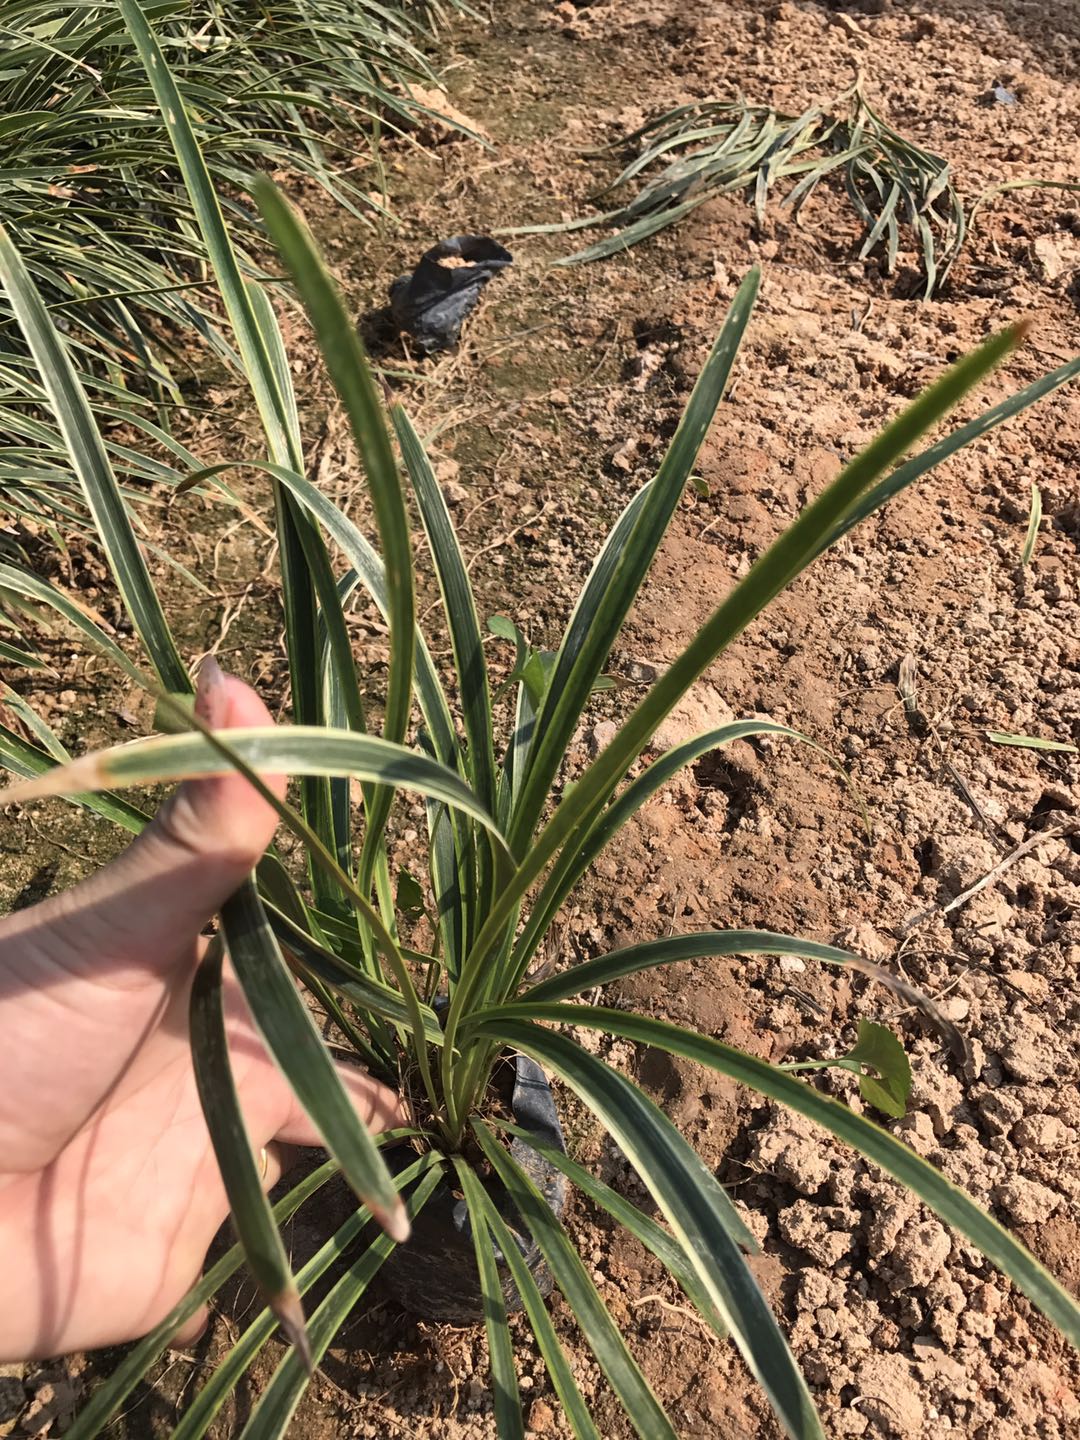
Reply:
x=956, y=1009
x=541, y=1417
x=1034, y=987
x=1030, y=1057
x=1041, y=1133
x=789, y=1150
x=1026, y=1202
x=918, y=1256
x=825, y=1232
x=704, y=708
x=601, y=735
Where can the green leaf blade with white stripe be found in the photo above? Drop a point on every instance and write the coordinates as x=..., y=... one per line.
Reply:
x=101, y=1408
x=459, y=606
x=504, y=1386
x=691, y=1201
x=90, y=461
x=949, y=1202
x=220, y=1102
x=645, y=1412
x=653, y=1236
x=271, y=750
x=675, y=950
x=575, y=1411
x=272, y=1416
x=619, y=573
x=289, y=1032
x=785, y=559
x=204, y=1409
x=347, y=363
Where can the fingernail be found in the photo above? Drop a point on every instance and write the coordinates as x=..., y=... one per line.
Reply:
x=210, y=697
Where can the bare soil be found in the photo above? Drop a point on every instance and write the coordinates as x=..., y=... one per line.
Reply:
x=557, y=405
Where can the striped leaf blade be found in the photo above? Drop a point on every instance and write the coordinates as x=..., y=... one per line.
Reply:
x=618, y=577
x=795, y=548
x=90, y=461
x=100, y=1409
x=459, y=606
x=945, y=1199
x=251, y=1213
x=347, y=363
x=574, y=861
x=204, y=1409
x=279, y=749
x=943, y=449
x=273, y=1414
x=575, y=1411
x=290, y=1035
x=653, y=1236
x=688, y=1195
x=504, y=1385
x=674, y=950
x=644, y=1410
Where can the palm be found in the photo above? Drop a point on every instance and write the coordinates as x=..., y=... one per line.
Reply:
x=109, y=1192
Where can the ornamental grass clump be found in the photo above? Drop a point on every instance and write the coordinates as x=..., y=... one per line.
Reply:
x=507, y=841
x=92, y=196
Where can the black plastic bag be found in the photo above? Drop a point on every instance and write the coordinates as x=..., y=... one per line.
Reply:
x=432, y=302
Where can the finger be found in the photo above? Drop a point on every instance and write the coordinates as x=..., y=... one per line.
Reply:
x=139, y=914
x=275, y=1160
x=379, y=1107
x=192, y=1330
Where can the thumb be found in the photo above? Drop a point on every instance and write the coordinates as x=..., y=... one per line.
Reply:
x=146, y=908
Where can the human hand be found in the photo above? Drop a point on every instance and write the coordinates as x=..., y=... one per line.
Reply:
x=109, y=1189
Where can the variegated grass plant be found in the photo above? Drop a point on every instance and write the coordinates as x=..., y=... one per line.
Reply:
x=92, y=196
x=507, y=842
x=708, y=148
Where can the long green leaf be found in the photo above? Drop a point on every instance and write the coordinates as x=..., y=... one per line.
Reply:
x=769, y=575
x=203, y=1410
x=607, y=599
x=288, y=1029
x=29, y=587
x=345, y=359
x=575, y=860
x=653, y=1236
x=107, y=1399
x=264, y=374
x=645, y=1412
x=27, y=761
x=504, y=1386
x=361, y=989
x=220, y=1102
x=944, y=1198
x=575, y=1411
x=689, y=1196
x=272, y=1415
x=459, y=606
x=672, y=951
x=326, y=801
x=371, y=573
x=279, y=749
x=258, y=366
x=90, y=461
x=918, y=465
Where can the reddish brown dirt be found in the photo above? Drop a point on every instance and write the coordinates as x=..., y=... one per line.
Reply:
x=557, y=406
